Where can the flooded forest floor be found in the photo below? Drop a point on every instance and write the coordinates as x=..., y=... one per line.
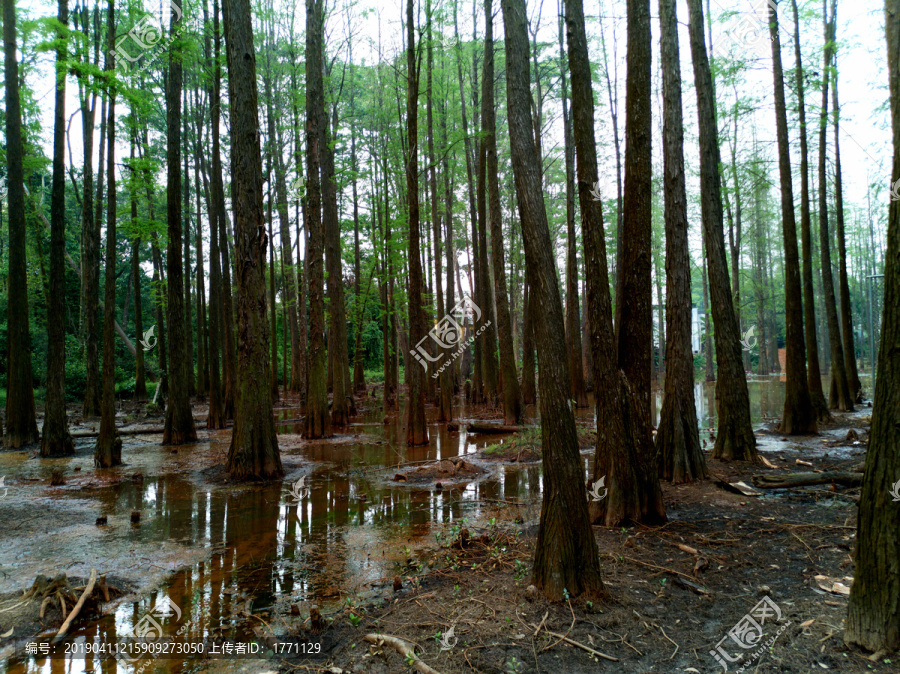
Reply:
x=359, y=541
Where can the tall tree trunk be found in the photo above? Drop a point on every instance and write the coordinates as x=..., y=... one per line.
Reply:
x=844, y=285
x=21, y=424
x=108, y=450
x=512, y=397
x=359, y=380
x=416, y=430
x=634, y=324
x=216, y=417
x=565, y=558
x=799, y=416
x=179, y=427
x=253, y=453
x=226, y=323
x=190, y=378
x=734, y=439
x=318, y=421
x=443, y=400
x=678, y=438
x=55, y=438
x=140, y=379
x=873, y=616
x=337, y=313
x=625, y=454
x=90, y=234
x=473, y=208
x=485, y=294
x=814, y=374
x=839, y=397
x=573, y=319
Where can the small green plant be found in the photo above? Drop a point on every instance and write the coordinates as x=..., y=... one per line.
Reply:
x=590, y=605
x=410, y=659
x=513, y=665
x=355, y=620
x=521, y=570
x=566, y=594
x=456, y=590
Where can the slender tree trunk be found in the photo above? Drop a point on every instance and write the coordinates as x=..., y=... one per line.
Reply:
x=734, y=439
x=839, y=398
x=318, y=421
x=707, y=321
x=678, y=438
x=846, y=308
x=416, y=430
x=634, y=324
x=485, y=294
x=179, y=427
x=227, y=318
x=512, y=397
x=190, y=377
x=573, y=319
x=90, y=236
x=253, y=453
x=873, y=616
x=565, y=559
x=625, y=454
x=108, y=450
x=814, y=374
x=55, y=438
x=21, y=424
x=337, y=313
x=799, y=416
x=140, y=381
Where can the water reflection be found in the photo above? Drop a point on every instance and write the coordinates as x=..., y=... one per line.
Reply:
x=349, y=533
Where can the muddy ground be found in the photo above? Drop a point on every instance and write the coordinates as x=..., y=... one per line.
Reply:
x=460, y=596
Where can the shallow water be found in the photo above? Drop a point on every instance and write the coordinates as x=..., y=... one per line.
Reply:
x=248, y=548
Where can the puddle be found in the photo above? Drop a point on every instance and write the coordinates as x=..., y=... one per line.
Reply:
x=232, y=548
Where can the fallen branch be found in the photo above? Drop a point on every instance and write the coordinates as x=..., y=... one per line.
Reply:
x=563, y=637
x=402, y=648
x=77, y=609
x=800, y=479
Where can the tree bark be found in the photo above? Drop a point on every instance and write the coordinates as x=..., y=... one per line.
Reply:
x=253, y=453
x=624, y=453
x=90, y=232
x=573, y=320
x=634, y=325
x=21, y=424
x=108, y=451
x=416, y=430
x=873, y=616
x=799, y=416
x=318, y=420
x=179, y=427
x=839, y=397
x=226, y=322
x=843, y=283
x=512, y=397
x=565, y=553
x=55, y=438
x=216, y=418
x=814, y=374
x=678, y=437
x=734, y=440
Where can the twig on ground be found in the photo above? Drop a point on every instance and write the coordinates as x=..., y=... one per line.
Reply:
x=402, y=648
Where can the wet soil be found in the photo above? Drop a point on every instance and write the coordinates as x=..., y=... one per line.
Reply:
x=250, y=561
